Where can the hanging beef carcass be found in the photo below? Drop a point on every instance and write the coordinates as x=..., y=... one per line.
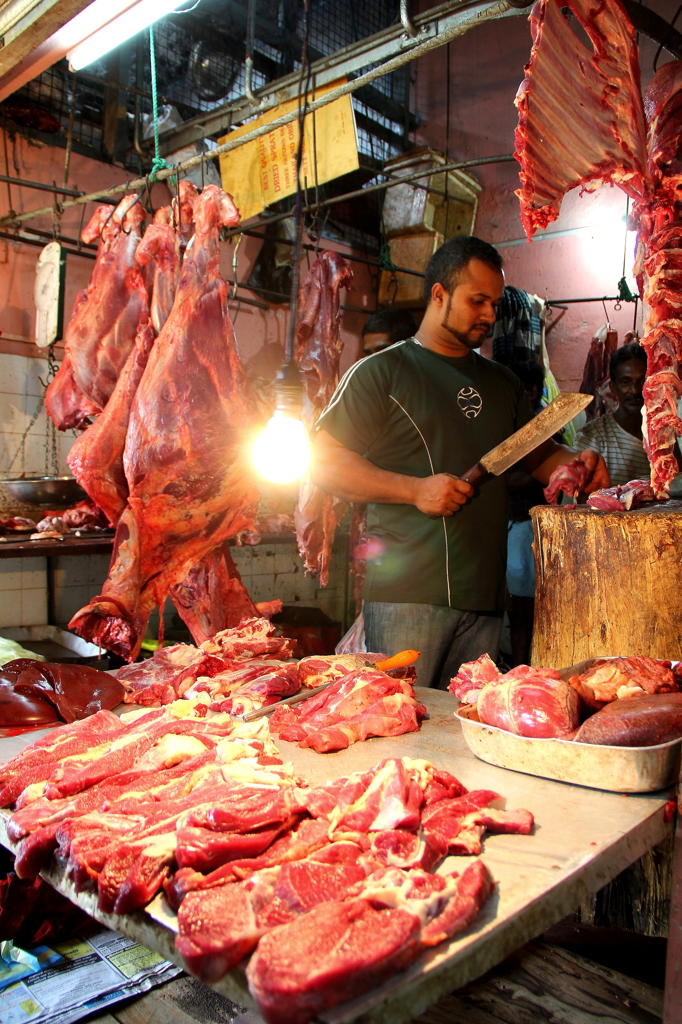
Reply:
x=163, y=248
x=186, y=457
x=212, y=596
x=581, y=120
x=318, y=354
x=660, y=274
x=105, y=318
x=96, y=458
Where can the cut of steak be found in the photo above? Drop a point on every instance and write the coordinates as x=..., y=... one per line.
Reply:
x=340, y=949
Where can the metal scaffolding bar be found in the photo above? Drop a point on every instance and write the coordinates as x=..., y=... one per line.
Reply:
x=480, y=14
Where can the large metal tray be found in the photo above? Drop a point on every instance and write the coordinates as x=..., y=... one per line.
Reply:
x=615, y=769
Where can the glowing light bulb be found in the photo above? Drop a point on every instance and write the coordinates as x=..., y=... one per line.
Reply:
x=282, y=452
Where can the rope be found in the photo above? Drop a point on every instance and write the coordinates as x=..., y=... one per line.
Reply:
x=158, y=163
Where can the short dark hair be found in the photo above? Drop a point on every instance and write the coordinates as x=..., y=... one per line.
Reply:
x=632, y=351
x=448, y=262
x=398, y=324
x=530, y=373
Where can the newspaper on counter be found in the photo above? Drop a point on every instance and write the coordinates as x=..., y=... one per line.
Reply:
x=92, y=973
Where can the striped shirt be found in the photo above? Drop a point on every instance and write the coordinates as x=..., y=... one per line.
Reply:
x=623, y=454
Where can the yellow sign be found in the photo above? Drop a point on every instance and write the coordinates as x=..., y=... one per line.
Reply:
x=264, y=170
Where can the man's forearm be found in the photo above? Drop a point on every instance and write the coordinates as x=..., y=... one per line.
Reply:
x=352, y=477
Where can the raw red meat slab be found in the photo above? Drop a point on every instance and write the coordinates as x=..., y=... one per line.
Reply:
x=365, y=702
x=105, y=318
x=212, y=596
x=472, y=677
x=318, y=354
x=96, y=458
x=581, y=119
x=533, y=702
x=341, y=949
x=570, y=478
x=186, y=461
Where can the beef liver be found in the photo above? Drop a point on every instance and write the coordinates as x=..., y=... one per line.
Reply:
x=635, y=722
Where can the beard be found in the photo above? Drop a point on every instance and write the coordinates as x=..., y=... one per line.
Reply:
x=464, y=337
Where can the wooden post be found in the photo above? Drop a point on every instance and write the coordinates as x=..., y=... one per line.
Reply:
x=672, y=1004
x=607, y=583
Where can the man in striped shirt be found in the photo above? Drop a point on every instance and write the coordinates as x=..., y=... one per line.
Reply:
x=617, y=436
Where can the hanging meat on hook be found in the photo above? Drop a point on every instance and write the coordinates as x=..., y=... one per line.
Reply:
x=105, y=318
x=659, y=271
x=599, y=135
x=186, y=458
x=318, y=354
x=163, y=247
x=96, y=458
x=605, y=138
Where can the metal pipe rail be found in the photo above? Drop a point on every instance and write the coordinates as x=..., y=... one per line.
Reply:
x=471, y=15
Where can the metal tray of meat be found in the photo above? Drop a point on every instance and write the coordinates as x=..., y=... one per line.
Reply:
x=616, y=769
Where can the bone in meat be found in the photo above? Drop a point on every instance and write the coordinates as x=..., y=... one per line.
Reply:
x=581, y=120
x=659, y=267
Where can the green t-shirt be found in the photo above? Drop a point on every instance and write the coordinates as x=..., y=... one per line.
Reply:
x=409, y=410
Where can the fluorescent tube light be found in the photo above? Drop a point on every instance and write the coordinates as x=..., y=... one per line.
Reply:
x=107, y=35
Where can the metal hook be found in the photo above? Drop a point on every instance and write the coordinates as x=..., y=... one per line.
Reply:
x=406, y=21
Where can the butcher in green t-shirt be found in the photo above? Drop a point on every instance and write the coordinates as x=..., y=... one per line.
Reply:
x=401, y=427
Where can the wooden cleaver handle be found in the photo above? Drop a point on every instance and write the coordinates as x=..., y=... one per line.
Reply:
x=473, y=475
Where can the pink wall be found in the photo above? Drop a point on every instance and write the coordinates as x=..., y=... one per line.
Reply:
x=260, y=334
x=486, y=69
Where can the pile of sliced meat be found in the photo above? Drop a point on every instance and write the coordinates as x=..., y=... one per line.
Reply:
x=612, y=136
x=247, y=668
x=362, y=703
x=330, y=888
x=629, y=701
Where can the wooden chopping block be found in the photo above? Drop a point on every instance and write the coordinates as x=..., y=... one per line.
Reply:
x=611, y=583
x=607, y=583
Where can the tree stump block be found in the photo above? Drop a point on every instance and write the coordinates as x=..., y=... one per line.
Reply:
x=607, y=583
x=611, y=583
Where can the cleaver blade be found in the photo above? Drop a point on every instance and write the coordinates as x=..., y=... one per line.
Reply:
x=556, y=415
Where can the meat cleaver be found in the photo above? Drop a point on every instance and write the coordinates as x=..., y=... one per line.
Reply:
x=556, y=415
